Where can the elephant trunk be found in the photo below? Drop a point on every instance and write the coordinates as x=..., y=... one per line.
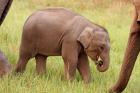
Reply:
x=105, y=60
x=130, y=57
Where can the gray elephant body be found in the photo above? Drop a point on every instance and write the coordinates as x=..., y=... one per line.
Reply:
x=53, y=25
x=56, y=32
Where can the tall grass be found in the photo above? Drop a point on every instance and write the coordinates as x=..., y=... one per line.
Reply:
x=115, y=15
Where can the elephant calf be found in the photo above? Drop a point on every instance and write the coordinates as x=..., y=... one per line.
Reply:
x=60, y=32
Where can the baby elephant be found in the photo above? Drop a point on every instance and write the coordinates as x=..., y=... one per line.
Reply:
x=60, y=32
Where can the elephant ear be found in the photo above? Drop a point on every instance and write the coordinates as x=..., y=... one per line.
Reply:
x=85, y=37
x=4, y=7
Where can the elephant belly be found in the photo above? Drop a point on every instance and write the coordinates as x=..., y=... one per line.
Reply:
x=49, y=49
x=49, y=42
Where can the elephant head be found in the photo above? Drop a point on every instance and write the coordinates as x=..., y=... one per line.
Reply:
x=4, y=7
x=97, y=46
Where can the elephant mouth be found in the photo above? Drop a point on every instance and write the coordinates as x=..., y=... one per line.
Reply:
x=99, y=63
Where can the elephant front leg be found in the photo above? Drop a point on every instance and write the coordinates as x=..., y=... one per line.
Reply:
x=70, y=57
x=83, y=68
x=70, y=66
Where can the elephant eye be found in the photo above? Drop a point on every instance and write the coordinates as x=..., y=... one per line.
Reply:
x=101, y=49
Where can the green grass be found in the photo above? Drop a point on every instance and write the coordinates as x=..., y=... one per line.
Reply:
x=115, y=15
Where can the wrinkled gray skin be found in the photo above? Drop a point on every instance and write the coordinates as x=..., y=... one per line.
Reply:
x=5, y=67
x=60, y=32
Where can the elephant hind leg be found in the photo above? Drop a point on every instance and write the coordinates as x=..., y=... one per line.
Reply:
x=40, y=63
x=22, y=61
x=21, y=65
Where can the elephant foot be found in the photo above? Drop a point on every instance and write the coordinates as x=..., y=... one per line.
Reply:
x=6, y=70
x=87, y=80
x=113, y=90
x=19, y=70
x=70, y=78
x=41, y=72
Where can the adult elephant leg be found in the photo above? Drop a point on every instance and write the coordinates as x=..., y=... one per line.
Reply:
x=4, y=7
x=130, y=57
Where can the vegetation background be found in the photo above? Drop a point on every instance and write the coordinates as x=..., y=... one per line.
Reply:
x=115, y=15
